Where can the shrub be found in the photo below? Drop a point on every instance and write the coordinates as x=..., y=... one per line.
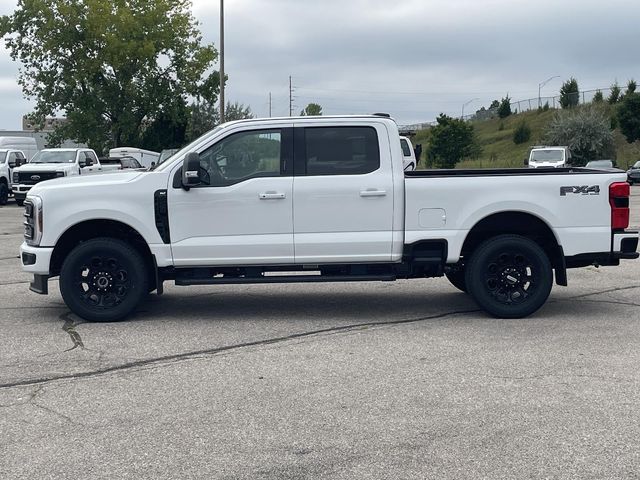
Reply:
x=522, y=133
x=585, y=130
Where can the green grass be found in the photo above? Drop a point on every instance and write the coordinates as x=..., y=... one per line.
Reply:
x=499, y=151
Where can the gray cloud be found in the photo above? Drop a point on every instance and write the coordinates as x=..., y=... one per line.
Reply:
x=411, y=58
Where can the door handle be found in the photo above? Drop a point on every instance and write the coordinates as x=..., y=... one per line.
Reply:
x=272, y=196
x=372, y=192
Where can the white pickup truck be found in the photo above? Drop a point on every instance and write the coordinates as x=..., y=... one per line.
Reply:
x=9, y=159
x=55, y=163
x=316, y=200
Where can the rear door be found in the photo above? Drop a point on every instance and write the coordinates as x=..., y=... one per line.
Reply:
x=342, y=194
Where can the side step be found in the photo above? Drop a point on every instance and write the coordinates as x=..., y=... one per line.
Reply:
x=186, y=280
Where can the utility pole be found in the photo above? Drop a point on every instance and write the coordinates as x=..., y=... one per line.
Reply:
x=290, y=98
x=221, y=61
x=269, y=104
x=464, y=105
x=542, y=84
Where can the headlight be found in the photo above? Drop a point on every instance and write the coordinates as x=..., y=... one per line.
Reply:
x=33, y=220
x=16, y=177
x=60, y=174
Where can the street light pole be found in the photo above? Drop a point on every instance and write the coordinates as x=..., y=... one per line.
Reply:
x=465, y=104
x=221, y=61
x=542, y=84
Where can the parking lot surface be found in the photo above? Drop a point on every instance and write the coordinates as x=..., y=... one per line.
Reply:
x=364, y=381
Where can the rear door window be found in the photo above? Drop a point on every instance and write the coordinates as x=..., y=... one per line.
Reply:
x=341, y=150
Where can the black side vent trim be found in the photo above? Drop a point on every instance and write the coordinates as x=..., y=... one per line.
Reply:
x=162, y=215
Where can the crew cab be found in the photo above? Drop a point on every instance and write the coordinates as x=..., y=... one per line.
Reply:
x=55, y=163
x=319, y=199
x=9, y=159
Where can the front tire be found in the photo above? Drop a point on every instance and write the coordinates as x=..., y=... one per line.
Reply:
x=509, y=276
x=20, y=202
x=4, y=193
x=103, y=280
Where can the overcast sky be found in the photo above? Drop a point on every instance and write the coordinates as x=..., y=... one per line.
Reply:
x=410, y=58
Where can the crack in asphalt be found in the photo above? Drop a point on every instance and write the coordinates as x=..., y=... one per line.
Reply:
x=32, y=402
x=10, y=258
x=227, y=348
x=70, y=327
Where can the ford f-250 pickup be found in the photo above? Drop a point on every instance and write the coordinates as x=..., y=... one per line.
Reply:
x=319, y=199
x=55, y=163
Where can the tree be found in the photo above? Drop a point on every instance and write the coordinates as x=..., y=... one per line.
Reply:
x=569, y=93
x=112, y=67
x=614, y=94
x=598, y=97
x=313, y=109
x=629, y=117
x=451, y=140
x=203, y=116
x=494, y=104
x=504, y=110
x=585, y=131
x=631, y=87
x=237, y=111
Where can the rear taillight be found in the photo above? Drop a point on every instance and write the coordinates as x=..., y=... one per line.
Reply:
x=619, y=200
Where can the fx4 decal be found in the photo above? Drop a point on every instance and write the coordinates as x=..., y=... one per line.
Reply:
x=583, y=190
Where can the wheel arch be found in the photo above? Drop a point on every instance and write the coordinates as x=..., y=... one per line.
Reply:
x=519, y=223
x=100, y=228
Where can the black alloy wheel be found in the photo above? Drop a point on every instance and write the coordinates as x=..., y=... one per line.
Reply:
x=103, y=280
x=509, y=276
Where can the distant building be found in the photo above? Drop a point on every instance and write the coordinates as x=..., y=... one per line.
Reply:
x=41, y=136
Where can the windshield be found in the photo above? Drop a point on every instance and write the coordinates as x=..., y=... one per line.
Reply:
x=161, y=166
x=57, y=156
x=547, y=156
x=637, y=164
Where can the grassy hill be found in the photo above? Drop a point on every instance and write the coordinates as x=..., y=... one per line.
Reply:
x=499, y=151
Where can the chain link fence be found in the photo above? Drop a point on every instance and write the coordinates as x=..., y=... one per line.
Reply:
x=525, y=105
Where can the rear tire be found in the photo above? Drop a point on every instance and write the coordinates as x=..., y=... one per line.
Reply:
x=103, y=280
x=4, y=193
x=509, y=276
x=20, y=202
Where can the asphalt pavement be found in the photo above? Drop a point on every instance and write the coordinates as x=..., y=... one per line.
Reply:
x=321, y=381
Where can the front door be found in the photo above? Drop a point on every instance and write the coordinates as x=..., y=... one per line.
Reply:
x=242, y=214
x=343, y=195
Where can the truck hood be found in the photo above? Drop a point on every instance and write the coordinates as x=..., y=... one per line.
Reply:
x=41, y=167
x=84, y=181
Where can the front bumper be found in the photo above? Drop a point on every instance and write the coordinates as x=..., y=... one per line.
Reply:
x=20, y=190
x=35, y=260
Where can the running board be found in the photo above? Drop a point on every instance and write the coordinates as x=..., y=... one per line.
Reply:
x=185, y=281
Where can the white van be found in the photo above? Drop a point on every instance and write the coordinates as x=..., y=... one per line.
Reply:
x=27, y=145
x=146, y=158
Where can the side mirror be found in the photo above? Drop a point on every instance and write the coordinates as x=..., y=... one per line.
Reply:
x=13, y=163
x=191, y=170
x=88, y=162
x=82, y=163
